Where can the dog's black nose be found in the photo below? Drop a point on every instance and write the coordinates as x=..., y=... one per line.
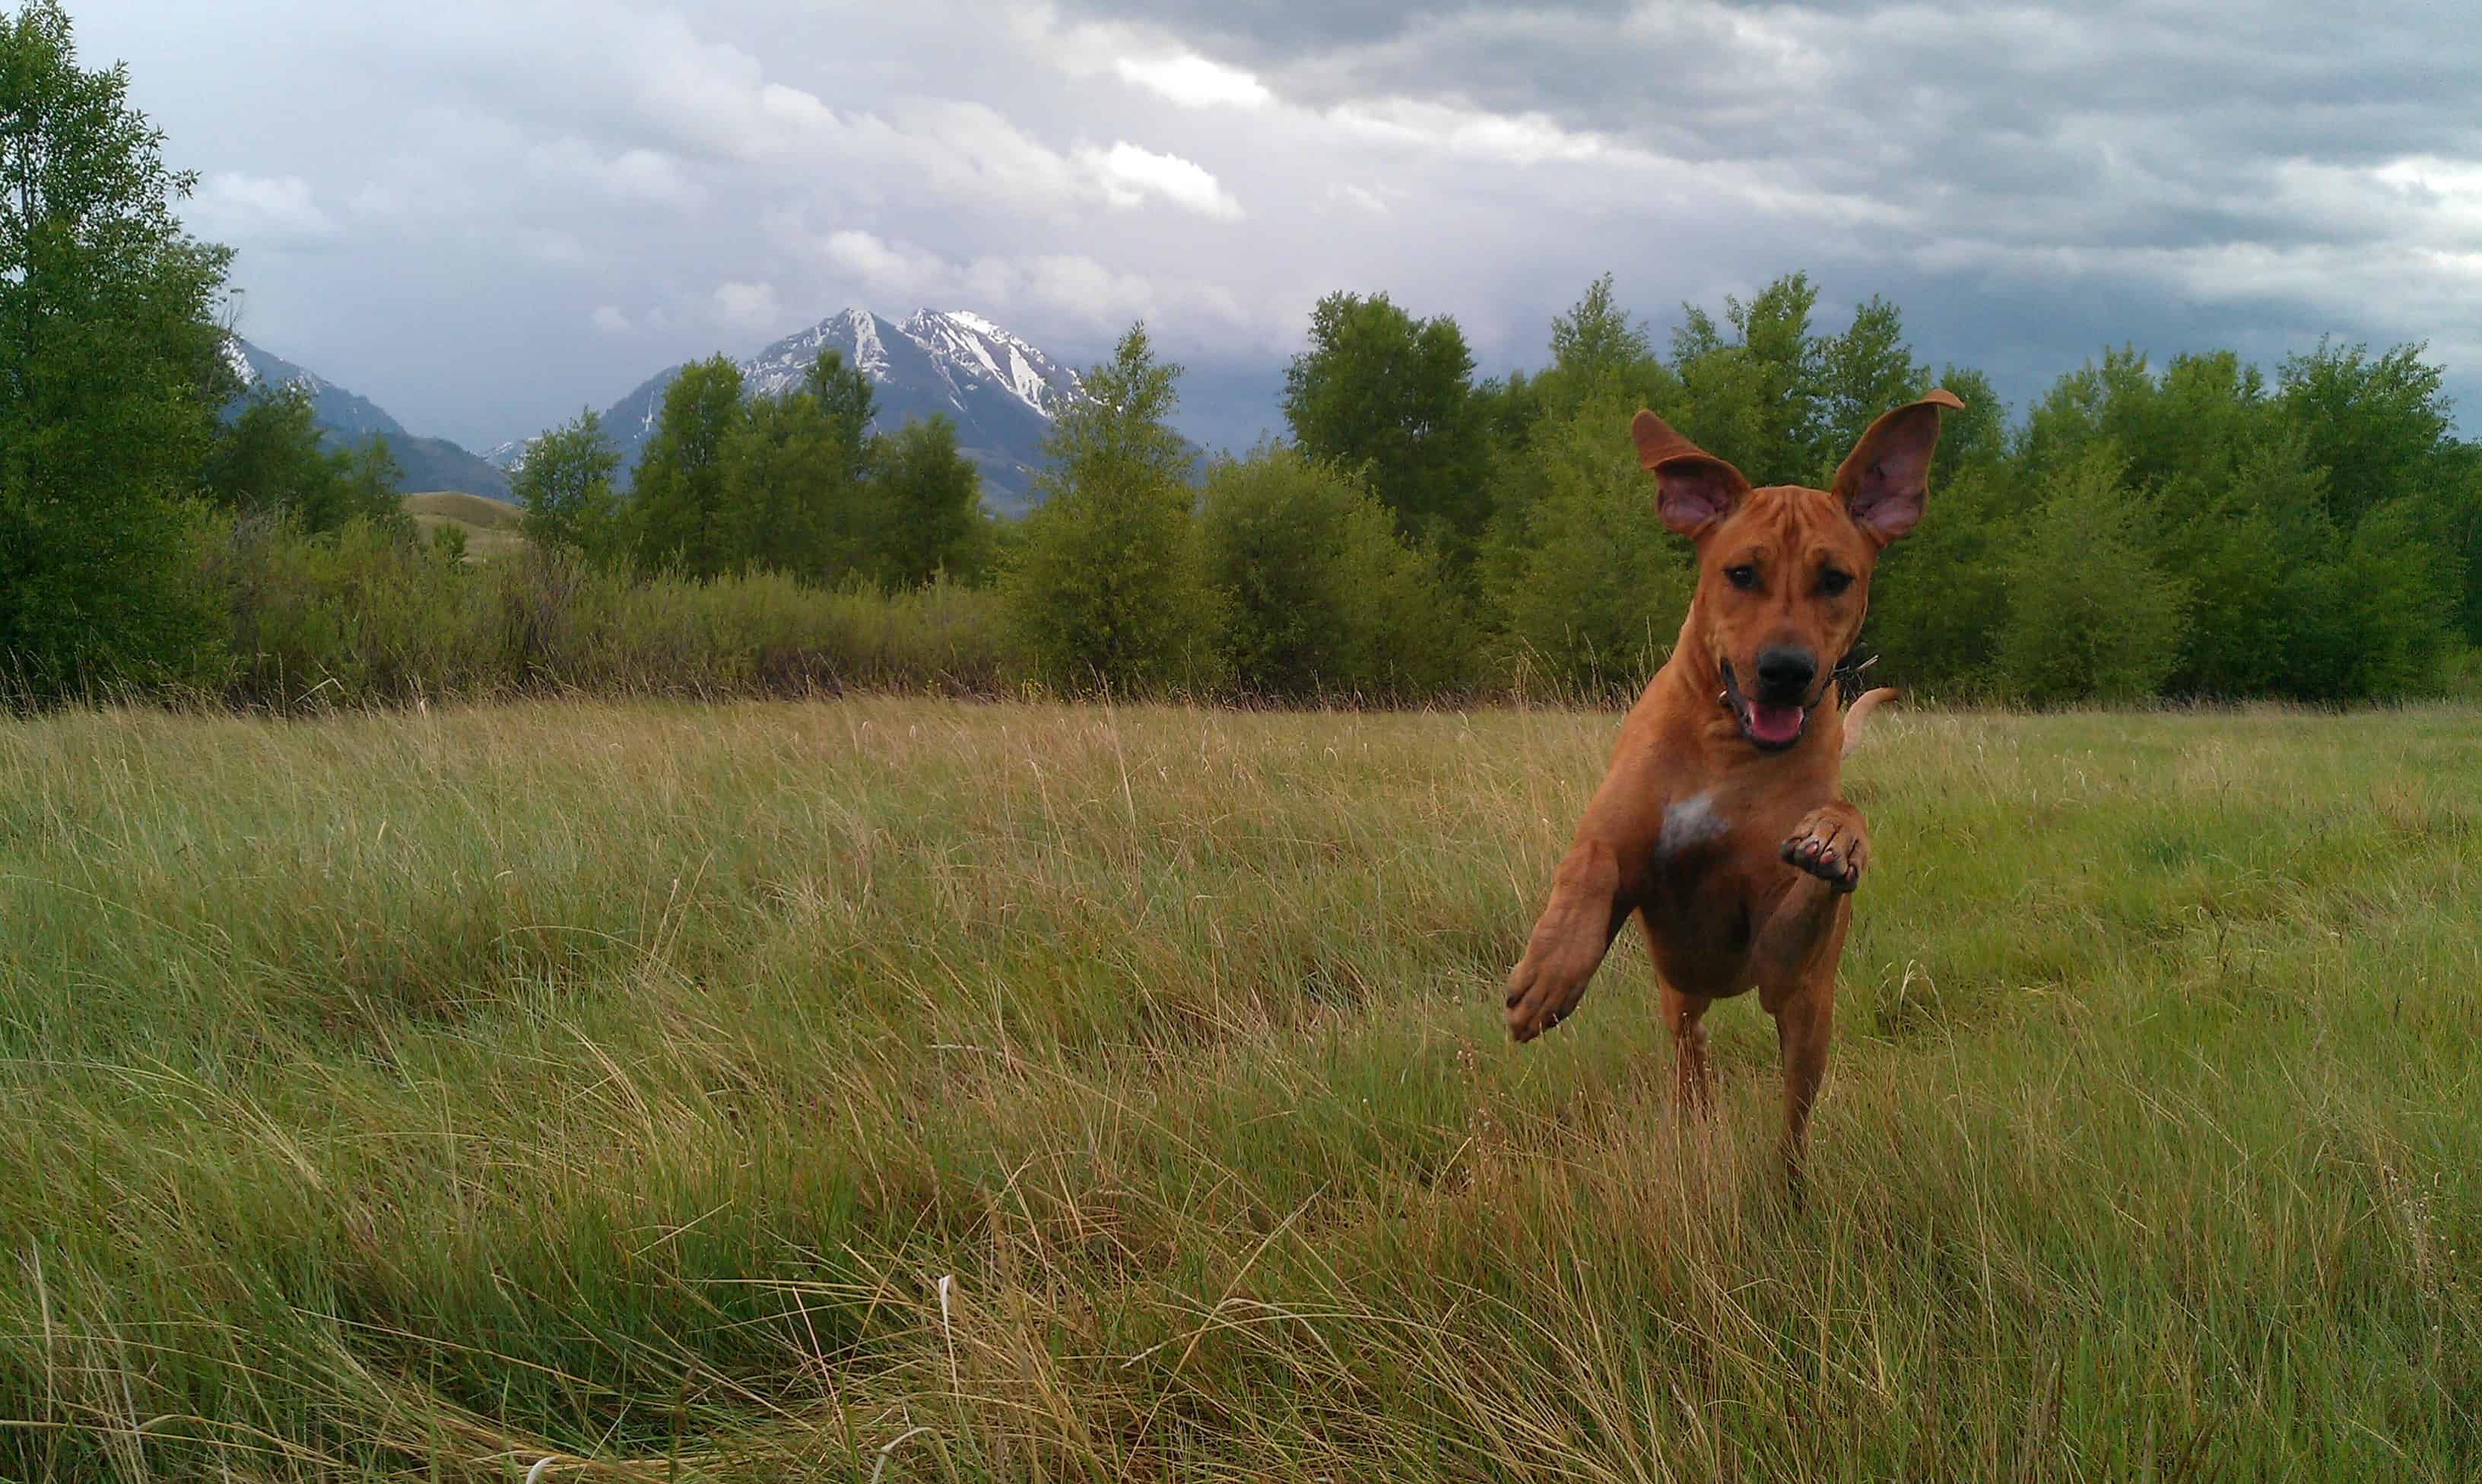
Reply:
x=1784, y=674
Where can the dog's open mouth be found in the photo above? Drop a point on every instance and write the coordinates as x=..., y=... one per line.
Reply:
x=1769, y=728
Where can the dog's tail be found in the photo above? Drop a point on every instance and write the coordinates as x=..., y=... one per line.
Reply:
x=1860, y=710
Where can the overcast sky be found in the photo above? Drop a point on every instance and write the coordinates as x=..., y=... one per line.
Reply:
x=483, y=214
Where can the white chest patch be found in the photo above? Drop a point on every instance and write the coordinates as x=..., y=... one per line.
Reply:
x=1688, y=824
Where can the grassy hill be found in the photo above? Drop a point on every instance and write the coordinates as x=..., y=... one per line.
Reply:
x=742, y=1092
x=490, y=526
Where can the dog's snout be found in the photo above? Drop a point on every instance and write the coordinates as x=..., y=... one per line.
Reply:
x=1785, y=673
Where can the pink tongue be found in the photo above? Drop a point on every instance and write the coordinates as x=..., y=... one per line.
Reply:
x=1775, y=725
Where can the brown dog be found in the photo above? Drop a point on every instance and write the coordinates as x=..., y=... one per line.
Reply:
x=1718, y=821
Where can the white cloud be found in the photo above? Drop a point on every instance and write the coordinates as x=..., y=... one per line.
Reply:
x=715, y=97
x=1073, y=163
x=1358, y=196
x=891, y=269
x=752, y=306
x=1047, y=287
x=1508, y=138
x=1191, y=81
x=974, y=154
x=262, y=211
x=1098, y=297
x=553, y=246
x=630, y=175
x=1129, y=174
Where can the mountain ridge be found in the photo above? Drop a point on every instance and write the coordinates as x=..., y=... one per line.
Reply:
x=428, y=463
x=1000, y=390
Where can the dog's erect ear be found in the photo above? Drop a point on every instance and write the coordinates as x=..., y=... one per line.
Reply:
x=1883, y=479
x=1693, y=488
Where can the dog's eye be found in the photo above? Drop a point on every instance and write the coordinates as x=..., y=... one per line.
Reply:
x=1744, y=578
x=1833, y=582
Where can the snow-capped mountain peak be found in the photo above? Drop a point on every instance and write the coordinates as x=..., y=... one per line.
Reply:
x=870, y=354
x=1000, y=391
x=973, y=347
x=238, y=359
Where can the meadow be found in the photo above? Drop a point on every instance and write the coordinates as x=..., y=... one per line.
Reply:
x=489, y=527
x=903, y=1090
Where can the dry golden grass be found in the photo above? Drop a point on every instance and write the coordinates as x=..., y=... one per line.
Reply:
x=905, y=1089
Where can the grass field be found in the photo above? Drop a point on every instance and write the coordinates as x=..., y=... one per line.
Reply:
x=904, y=1090
x=490, y=526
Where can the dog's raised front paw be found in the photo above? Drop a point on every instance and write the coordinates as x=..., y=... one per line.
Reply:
x=1539, y=998
x=1829, y=844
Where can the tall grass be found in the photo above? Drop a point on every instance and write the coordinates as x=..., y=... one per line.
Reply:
x=918, y=1089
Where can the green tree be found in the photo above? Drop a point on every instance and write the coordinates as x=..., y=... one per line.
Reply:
x=1321, y=597
x=368, y=484
x=1976, y=435
x=1599, y=354
x=677, y=509
x=2253, y=542
x=926, y=499
x=2090, y=614
x=565, y=486
x=1861, y=374
x=1588, y=595
x=2381, y=427
x=270, y=457
x=790, y=497
x=1393, y=395
x=1601, y=351
x=2391, y=583
x=1754, y=400
x=111, y=372
x=1106, y=589
x=1939, y=598
x=849, y=404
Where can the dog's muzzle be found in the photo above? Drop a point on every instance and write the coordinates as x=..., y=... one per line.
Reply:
x=1769, y=728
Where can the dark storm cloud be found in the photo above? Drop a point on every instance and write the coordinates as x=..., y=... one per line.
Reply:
x=482, y=215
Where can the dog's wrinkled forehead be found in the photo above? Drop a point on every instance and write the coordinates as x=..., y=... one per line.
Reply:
x=1795, y=523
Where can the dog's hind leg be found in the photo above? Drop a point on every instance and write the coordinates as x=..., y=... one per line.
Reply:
x=1693, y=1081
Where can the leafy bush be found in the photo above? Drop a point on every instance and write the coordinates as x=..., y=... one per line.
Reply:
x=358, y=615
x=1588, y=596
x=1319, y=596
x=2089, y=615
x=1106, y=589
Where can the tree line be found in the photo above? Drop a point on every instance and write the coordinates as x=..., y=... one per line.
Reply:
x=799, y=483
x=2194, y=530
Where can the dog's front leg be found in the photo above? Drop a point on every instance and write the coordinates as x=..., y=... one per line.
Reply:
x=1830, y=844
x=1805, y=1024
x=1596, y=889
x=1576, y=930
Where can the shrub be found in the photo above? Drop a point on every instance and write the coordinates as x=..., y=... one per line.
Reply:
x=1105, y=591
x=1589, y=596
x=358, y=615
x=1319, y=596
x=2090, y=616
